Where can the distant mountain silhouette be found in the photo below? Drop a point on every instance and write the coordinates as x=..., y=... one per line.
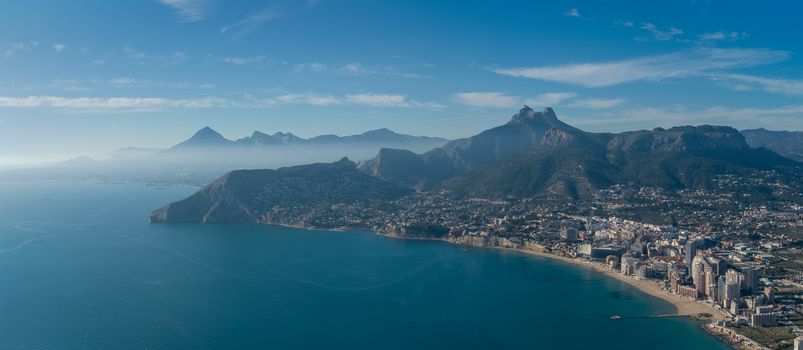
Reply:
x=207, y=137
x=786, y=143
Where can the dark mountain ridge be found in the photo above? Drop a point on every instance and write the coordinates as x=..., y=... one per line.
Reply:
x=573, y=164
x=259, y=195
x=524, y=130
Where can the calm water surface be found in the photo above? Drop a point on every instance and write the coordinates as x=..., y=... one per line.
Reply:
x=81, y=268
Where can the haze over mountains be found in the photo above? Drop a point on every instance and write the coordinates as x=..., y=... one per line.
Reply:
x=786, y=143
x=207, y=137
x=533, y=155
x=207, y=154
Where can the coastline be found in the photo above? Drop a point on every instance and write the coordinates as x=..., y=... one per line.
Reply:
x=683, y=306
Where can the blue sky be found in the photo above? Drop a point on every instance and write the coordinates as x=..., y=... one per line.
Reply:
x=84, y=77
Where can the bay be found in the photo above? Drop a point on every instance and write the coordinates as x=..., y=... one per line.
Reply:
x=81, y=268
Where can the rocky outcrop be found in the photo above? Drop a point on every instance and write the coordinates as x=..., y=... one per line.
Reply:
x=248, y=196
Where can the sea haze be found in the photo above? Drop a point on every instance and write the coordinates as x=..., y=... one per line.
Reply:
x=81, y=267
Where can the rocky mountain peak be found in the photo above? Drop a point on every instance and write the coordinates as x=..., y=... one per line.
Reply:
x=527, y=115
x=205, y=137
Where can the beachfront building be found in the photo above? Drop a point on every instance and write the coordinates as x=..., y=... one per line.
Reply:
x=762, y=320
x=687, y=291
x=629, y=265
x=763, y=317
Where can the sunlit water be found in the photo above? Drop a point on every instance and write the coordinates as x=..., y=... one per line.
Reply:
x=81, y=268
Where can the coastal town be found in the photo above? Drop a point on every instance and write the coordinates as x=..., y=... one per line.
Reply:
x=720, y=256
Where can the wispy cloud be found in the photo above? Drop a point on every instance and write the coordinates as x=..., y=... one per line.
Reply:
x=250, y=23
x=147, y=104
x=358, y=69
x=68, y=85
x=728, y=36
x=387, y=100
x=786, y=117
x=122, y=82
x=156, y=59
x=503, y=100
x=488, y=99
x=58, y=47
x=13, y=49
x=744, y=82
x=550, y=98
x=597, y=103
x=661, y=35
x=315, y=100
x=316, y=67
x=189, y=10
x=572, y=12
x=355, y=69
x=653, y=68
x=110, y=103
x=245, y=60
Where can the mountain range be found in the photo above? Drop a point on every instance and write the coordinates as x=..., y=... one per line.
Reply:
x=209, y=138
x=207, y=154
x=533, y=155
x=786, y=143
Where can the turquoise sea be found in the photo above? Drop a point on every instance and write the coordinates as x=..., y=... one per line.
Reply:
x=81, y=268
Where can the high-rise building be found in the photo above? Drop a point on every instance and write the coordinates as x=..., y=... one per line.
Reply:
x=710, y=283
x=568, y=233
x=798, y=344
x=696, y=270
x=749, y=280
x=629, y=265
x=770, y=294
x=732, y=292
x=703, y=277
x=732, y=277
x=762, y=320
x=691, y=249
x=721, y=286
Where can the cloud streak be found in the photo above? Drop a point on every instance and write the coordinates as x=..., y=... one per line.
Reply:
x=250, y=23
x=155, y=59
x=142, y=104
x=596, y=103
x=728, y=36
x=572, y=12
x=648, y=117
x=110, y=103
x=502, y=100
x=661, y=35
x=189, y=10
x=245, y=60
x=744, y=82
x=682, y=64
x=15, y=48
